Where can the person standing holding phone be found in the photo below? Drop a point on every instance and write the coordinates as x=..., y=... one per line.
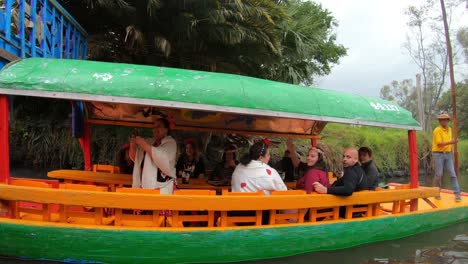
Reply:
x=154, y=159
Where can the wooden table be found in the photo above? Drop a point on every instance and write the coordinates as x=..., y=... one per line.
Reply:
x=111, y=179
x=200, y=184
x=115, y=179
x=203, y=184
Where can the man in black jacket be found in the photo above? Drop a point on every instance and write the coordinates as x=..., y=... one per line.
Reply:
x=354, y=178
x=369, y=167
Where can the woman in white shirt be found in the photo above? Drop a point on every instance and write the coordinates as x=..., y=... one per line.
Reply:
x=254, y=173
x=155, y=159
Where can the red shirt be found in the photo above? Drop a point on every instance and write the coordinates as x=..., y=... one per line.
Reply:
x=312, y=175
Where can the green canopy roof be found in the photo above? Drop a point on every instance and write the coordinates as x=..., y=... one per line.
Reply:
x=197, y=95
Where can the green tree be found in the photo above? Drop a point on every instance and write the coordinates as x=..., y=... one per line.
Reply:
x=402, y=93
x=445, y=105
x=289, y=41
x=462, y=37
x=309, y=46
x=430, y=56
x=426, y=46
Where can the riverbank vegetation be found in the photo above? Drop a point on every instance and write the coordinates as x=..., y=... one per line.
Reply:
x=44, y=142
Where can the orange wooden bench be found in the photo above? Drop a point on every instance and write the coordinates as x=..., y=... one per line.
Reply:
x=127, y=217
x=28, y=210
x=80, y=214
x=233, y=220
x=290, y=215
x=181, y=217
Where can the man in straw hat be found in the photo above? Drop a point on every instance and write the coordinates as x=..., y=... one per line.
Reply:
x=442, y=151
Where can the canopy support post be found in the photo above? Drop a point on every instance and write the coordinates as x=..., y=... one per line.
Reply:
x=85, y=143
x=414, y=171
x=313, y=141
x=4, y=145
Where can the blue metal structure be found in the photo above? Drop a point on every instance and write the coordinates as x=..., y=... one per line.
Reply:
x=39, y=28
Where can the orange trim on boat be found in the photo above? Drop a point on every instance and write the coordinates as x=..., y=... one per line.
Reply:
x=193, y=202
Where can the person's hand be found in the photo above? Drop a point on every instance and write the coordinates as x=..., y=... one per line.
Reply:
x=319, y=187
x=139, y=141
x=455, y=141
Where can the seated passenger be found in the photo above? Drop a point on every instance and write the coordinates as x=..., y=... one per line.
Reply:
x=317, y=171
x=369, y=167
x=254, y=173
x=300, y=167
x=354, y=178
x=125, y=163
x=190, y=162
x=286, y=166
x=223, y=170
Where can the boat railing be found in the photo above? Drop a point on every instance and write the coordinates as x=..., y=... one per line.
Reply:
x=39, y=28
x=321, y=207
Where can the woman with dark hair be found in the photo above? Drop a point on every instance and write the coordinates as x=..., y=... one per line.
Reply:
x=254, y=173
x=125, y=163
x=190, y=165
x=223, y=170
x=154, y=159
x=317, y=171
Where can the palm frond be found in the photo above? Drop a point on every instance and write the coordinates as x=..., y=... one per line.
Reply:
x=134, y=37
x=163, y=45
x=108, y=4
x=152, y=7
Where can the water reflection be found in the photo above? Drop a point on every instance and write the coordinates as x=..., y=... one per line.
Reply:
x=447, y=245
x=446, y=184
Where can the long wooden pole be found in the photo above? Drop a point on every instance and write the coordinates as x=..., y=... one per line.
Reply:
x=313, y=142
x=85, y=143
x=4, y=146
x=452, y=84
x=422, y=119
x=414, y=170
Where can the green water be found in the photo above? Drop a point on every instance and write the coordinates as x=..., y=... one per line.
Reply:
x=446, y=183
x=407, y=250
x=462, y=180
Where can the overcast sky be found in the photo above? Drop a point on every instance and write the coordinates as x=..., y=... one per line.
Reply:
x=373, y=31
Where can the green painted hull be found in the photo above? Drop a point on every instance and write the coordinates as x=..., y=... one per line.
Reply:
x=135, y=246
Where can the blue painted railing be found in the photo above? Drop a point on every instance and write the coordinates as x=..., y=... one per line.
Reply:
x=39, y=28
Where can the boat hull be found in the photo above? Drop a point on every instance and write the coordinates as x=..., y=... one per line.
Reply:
x=111, y=245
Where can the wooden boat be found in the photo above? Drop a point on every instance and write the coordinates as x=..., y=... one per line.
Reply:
x=122, y=94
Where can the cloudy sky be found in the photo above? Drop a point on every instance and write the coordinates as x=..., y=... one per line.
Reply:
x=373, y=31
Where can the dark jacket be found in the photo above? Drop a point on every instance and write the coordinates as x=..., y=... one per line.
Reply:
x=354, y=179
x=372, y=174
x=196, y=167
x=285, y=165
